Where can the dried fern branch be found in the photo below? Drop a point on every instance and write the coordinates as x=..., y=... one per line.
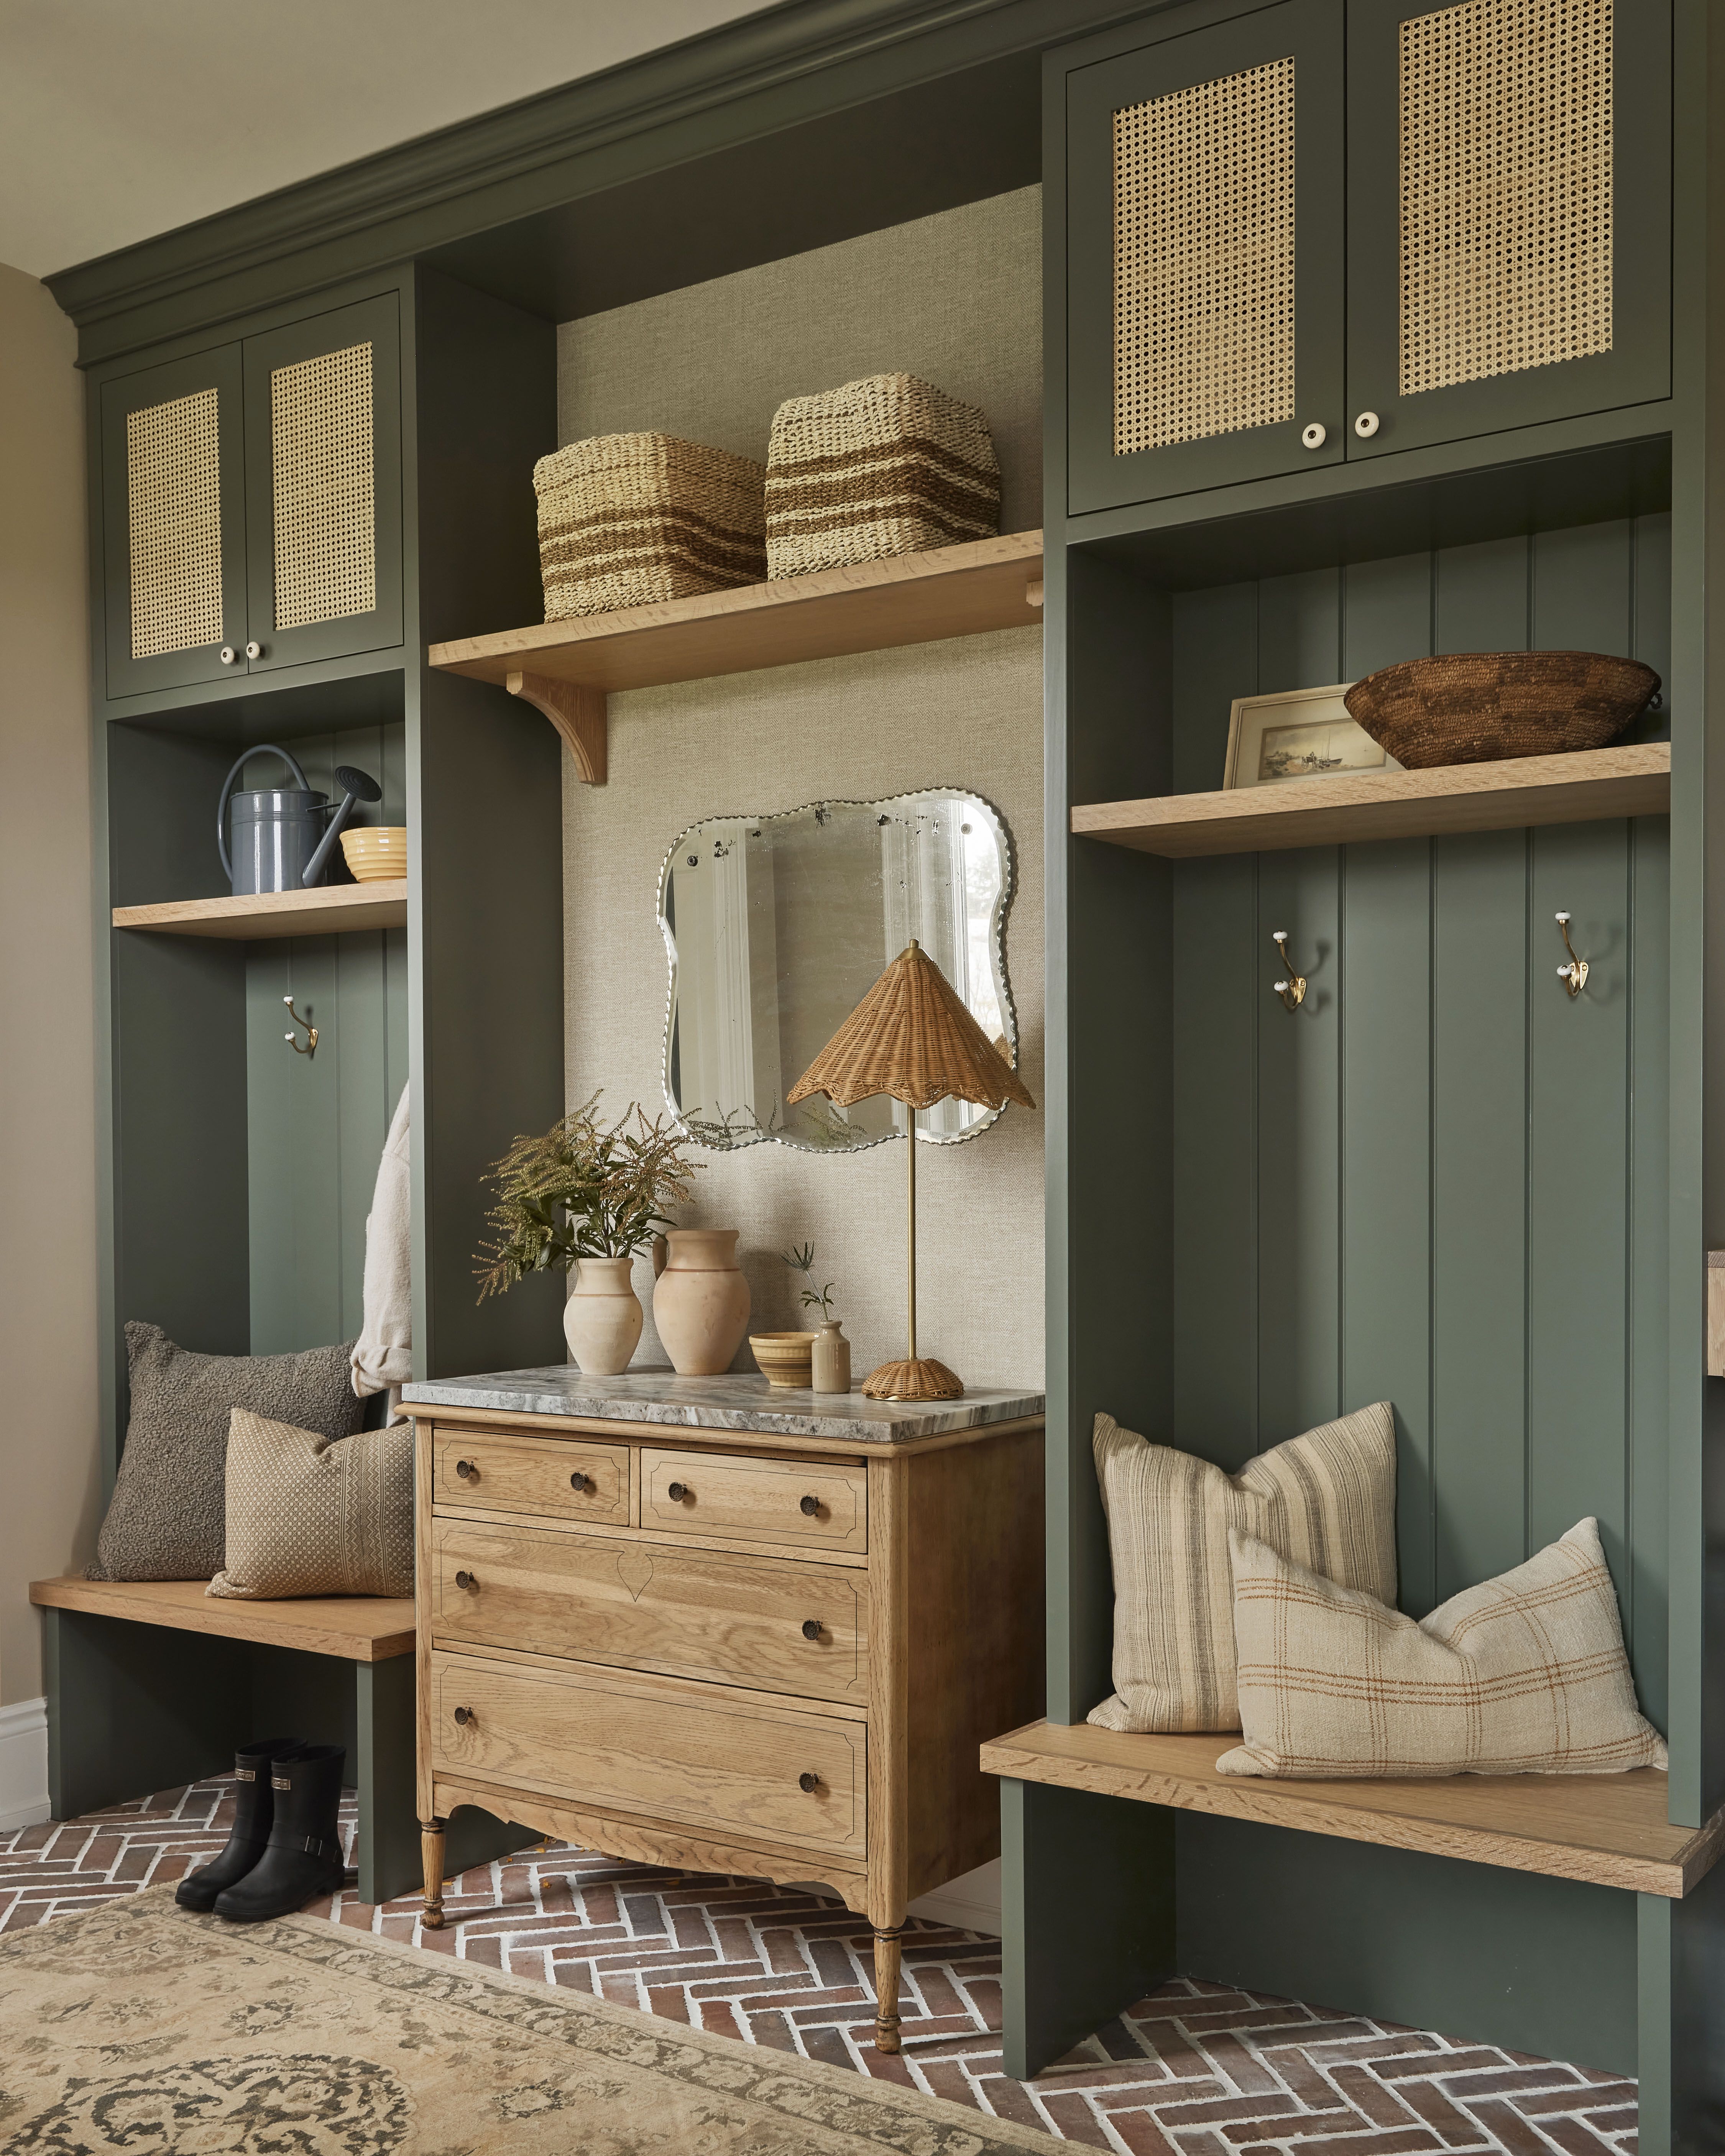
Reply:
x=582, y=1190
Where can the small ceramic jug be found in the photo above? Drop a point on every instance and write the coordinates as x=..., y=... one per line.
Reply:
x=831, y=1359
x=700, y=1303
x=602, y=1318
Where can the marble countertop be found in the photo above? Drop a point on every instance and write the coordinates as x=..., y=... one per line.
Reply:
x=735, y=1401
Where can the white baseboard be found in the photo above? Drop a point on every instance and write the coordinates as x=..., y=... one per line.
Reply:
x=971, y=1902
x=23, y=1763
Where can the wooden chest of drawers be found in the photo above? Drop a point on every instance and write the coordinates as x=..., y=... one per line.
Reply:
x=728, y=1652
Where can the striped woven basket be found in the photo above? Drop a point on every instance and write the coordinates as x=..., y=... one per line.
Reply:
x=886, y=466
x=625, y=520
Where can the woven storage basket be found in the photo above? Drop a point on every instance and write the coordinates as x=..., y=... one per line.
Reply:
x=1478, y=706
x=886, y=466
x=625, y=520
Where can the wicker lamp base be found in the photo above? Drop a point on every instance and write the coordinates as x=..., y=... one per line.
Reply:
x=924, y=1379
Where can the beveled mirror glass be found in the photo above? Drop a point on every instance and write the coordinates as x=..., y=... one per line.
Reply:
x=776, y=926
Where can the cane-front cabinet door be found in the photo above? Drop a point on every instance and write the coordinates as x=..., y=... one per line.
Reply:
x=1205, y=256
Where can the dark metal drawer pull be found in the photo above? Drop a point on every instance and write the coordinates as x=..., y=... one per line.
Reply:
x=676, y=1491
x=810, y=1507
x=466, y=1470
x=809, y=1784
x=578, y=1481
x=811, y=1628
x=463, y=1715
x=465, y=1580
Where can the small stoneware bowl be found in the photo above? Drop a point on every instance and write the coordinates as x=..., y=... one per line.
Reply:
x=376, y=854
x=787, y=1359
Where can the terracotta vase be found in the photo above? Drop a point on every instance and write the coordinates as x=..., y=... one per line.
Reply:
x=700, y=1302
x=831, y=1359
x=603, y=1319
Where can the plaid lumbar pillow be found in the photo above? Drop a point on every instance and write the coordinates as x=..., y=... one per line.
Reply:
x=1327, y=1498
x=1523, y=1675
x=306, y=1515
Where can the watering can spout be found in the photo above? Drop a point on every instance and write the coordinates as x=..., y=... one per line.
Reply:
x=356, y=787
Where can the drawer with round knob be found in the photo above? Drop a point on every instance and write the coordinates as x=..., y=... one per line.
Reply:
x=652, y=1747
x=481, y=1471
x=768, y=1622
x=739, y=1498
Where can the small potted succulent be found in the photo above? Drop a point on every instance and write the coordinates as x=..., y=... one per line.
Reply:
x=587, y=1195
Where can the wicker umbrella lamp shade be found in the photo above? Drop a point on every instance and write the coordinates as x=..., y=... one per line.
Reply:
x=910, y=1037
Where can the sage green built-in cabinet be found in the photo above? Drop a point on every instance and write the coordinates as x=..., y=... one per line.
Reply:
x=251, y=503
x=1324, y=230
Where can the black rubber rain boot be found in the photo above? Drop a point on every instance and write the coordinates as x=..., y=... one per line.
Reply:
x=304, y=1856
x=254, y=1808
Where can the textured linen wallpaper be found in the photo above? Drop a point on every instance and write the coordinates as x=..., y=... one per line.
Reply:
x=954, y=298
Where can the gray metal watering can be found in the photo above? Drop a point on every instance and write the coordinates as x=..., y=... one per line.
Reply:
x=280, y=841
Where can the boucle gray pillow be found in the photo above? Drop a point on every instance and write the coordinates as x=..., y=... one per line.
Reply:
x=168, y=1518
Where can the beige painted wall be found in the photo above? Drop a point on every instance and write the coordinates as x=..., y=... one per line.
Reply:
x=954, y=298
x=49, y=1456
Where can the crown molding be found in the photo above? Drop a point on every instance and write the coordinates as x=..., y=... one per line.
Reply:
x=744, y=80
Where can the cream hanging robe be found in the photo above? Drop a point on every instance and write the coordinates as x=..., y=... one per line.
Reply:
x=383, y=1354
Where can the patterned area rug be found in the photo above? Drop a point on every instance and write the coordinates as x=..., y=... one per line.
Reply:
x=1197, y=2069
x=134, y=2026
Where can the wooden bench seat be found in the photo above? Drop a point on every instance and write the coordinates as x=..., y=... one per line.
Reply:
x=1609, y=1829
x=361, y=1628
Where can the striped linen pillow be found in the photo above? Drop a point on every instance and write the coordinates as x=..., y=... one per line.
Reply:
x=1525, y=1674
x=1327, y=1498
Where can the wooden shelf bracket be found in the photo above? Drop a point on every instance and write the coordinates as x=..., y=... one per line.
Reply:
x=581, y=715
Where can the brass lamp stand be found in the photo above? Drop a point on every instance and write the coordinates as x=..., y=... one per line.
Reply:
x=913, y=1039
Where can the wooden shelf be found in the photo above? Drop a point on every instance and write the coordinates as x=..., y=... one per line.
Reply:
x=359, y=1628
x=872, y=606
x=1609, y=1829
x=1581, y=789
x=326, y=912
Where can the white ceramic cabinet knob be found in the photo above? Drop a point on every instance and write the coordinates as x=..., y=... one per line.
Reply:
x=254, y=649
x=1366, y=425
x=1315, y=436
x=230, y=657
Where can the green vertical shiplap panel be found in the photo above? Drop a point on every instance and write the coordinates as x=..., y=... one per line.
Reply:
x=1386, y=1174
x=1386, y=614
x=1479, y=1149
x=1578, y=1184
x=1650, y=618
x=1646, y=1590
x=316, y=1124
x=1480, y=597
x=1218, y=982
x=1298, y=1132
x=1582, y=583
x=1299, y=631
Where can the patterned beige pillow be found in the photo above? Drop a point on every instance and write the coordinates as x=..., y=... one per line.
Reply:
x=310, y=1516
x=1327, y=1498
x=1523, y=1675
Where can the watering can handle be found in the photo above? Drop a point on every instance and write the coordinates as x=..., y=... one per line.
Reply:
x=262, y=748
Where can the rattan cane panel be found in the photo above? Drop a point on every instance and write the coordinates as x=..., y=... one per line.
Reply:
x=1506, y=188
x=1204, y=260
x=325, y=522
x=173, y=479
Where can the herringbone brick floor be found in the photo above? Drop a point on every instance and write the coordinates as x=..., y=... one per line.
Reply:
x=1194, y=2070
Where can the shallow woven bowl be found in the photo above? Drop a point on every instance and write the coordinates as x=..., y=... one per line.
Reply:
x=787, y=1359
x=375, y=855
x=1477, y=706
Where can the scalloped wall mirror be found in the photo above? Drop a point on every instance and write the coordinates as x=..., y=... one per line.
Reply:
x=776, y=927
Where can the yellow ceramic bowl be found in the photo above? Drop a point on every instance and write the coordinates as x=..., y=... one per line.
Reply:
x=787, y=1359
x=375, y=853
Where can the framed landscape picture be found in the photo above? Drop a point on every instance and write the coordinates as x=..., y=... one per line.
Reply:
x=1298, y=734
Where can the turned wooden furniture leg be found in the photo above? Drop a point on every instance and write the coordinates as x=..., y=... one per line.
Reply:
x=431, y=1857
x=886, y=1959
